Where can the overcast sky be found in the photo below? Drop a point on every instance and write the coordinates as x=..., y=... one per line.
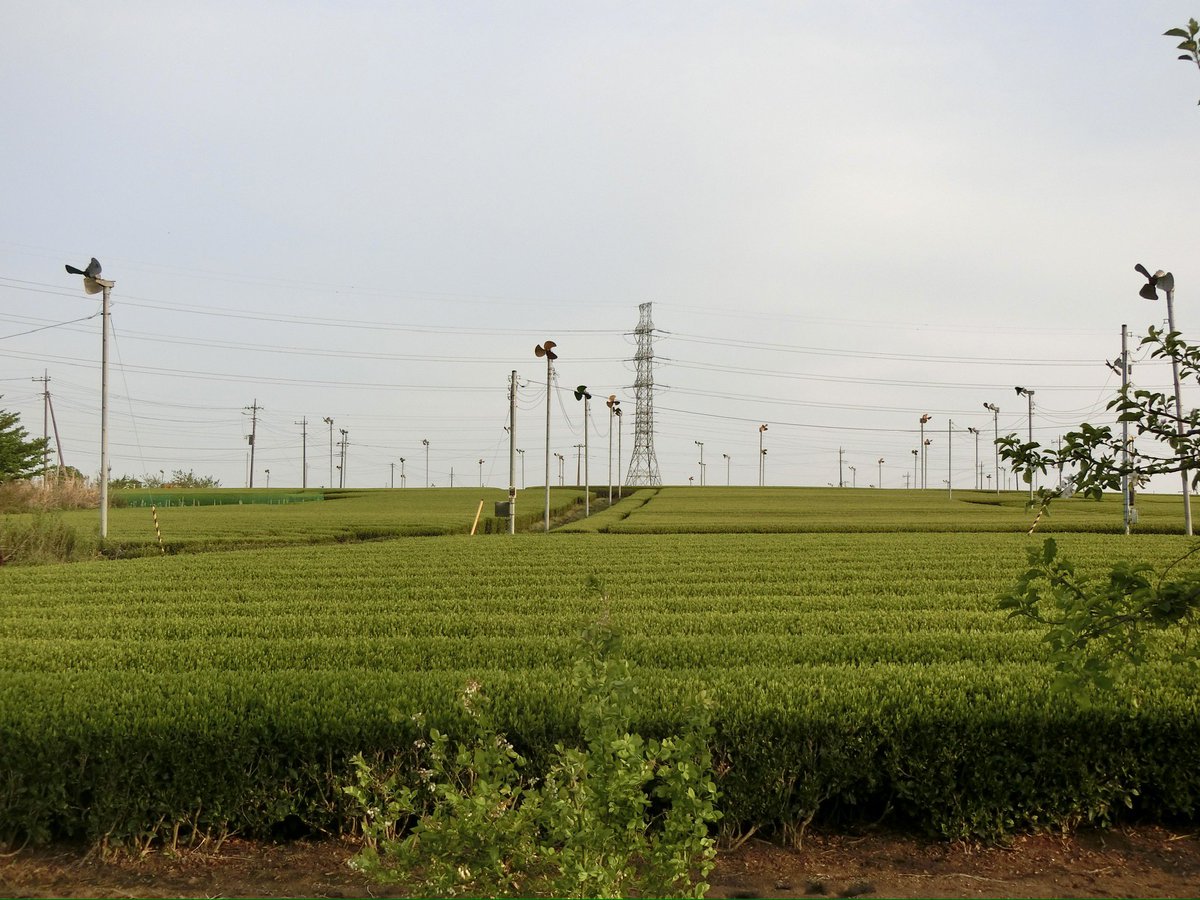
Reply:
x=845, y=214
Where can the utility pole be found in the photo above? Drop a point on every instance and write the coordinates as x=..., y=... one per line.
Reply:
x=328, y=420
x=582, y=393
x=924, y=454
x=403, y=484
x=841, y=474
x=254, y=408
x=1166, y=281
x=546, y=349
x=1028, y=394
x=342, y=444
x=45, y=380
x=950, y=458
x=512, y=453
x=1126, y=510
x=393, y=467
x=880, y=484
x=578, y=463
x=93, y=284
x=762, y=457
x=727, y=460
x=978, y=471
x=700, y=444
x=620, y=435
x=303, y=452
x=614, y=405
x=995, y=411
x=425, y=441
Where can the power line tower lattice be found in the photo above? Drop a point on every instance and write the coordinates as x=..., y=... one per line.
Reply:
x=643, y=466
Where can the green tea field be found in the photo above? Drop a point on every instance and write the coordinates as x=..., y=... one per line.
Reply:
x=851, y=640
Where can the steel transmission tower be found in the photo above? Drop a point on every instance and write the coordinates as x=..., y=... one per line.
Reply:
x=643, y=466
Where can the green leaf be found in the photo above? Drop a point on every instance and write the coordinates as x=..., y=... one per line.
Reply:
x=1176, y=32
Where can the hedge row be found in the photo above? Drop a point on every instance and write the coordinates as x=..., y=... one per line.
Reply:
x=955, y=749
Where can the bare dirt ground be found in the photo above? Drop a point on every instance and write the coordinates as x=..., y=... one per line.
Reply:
x=1137, y=862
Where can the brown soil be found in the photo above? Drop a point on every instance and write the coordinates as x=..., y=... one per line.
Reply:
x=1140, y=862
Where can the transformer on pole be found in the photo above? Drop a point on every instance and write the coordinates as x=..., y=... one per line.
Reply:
x=643, y=466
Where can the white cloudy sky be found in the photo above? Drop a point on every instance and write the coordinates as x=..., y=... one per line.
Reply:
x=845, y=214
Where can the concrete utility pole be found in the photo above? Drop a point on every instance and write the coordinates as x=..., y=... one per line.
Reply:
x=978, y=471
x=1166, y=282
x=995, y=411
x=614, y=405
x=254, y=408
x=582, y=393
x=303, y=452
x=1028, y=395
x=727, y=459
x=1126, y=509
x=403, y=483
x=328, y=420
x=425, y=441
x=94, y=284
x=547, y=350
x=700, y=444
x=343, y=444
x=924, y=455
x=512, y=452
x=841, y=475
x=45, y=380
x=950, y=457
x=762, y=457
x=620, y=434
x=880, y=484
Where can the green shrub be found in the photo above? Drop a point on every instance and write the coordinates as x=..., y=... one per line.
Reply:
x=619, y=813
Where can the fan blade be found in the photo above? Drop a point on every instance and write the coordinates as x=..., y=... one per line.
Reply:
x=1148, y=291
x=1140, y=268
x=538, y=351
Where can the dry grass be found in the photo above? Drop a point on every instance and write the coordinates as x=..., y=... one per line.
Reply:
x=30, y=532
x=66, y=493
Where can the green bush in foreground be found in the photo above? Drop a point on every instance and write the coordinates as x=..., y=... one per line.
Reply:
x=617, y=814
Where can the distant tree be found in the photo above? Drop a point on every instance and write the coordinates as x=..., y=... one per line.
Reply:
x=125, y=482
x=20, y=455
x=190, y=479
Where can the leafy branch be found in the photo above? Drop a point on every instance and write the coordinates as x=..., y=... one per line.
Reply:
x=1189, y=43
x=1097, y=454
x=1097, y=627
